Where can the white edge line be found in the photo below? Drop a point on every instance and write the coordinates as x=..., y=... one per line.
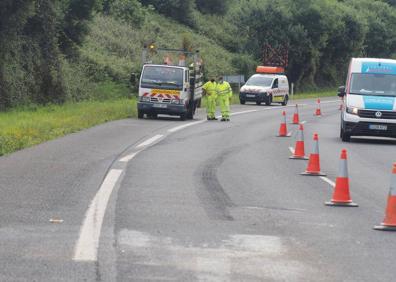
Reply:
x=127, y=158
x=177, y=128
x=325, y=179
x=303, y=122
x=88, y=242
x=150, y=141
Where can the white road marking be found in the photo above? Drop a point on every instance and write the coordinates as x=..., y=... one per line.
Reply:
x=243, y=112
x=303, y=122
x=327, y=102
x=88, y=241
x=129, y=157
x=325, y=179
x=150, y=141
x=177, y=128
x=291, y=150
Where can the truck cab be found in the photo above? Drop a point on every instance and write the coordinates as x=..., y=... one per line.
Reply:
x=170, y=89
x=369, y=99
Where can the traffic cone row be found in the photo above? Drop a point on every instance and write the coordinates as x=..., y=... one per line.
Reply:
x=341, y=195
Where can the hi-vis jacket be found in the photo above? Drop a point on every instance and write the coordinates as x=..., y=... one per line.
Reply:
x=210, y=88
x=224, y=89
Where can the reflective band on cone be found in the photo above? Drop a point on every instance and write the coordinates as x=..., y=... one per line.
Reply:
x=389, y=223
x=299, y=149
x=283, y=127
x=313, y=168
x=341, y=195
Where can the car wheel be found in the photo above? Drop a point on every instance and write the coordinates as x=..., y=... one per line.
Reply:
x=284, y=103
x=243, y=102
x=258, y=103
x=140, y=114
x=268, y=101
x=183, y=116
x=345, y=137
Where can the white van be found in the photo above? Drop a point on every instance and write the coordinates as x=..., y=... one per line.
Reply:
x=369, y=99
x=267, y=86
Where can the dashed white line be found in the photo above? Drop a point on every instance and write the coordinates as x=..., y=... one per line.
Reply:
x=177, y=128
x=243, y=112
x=325, y=179
x=150, y=141
x=129, y=157
x=303, y=122
x=88, y=241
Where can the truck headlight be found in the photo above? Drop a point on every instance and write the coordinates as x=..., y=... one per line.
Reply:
x=145, y=99
x=352, y=110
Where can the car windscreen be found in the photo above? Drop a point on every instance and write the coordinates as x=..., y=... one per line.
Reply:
x=162, y=78
x=260, y=81
x=373, y=84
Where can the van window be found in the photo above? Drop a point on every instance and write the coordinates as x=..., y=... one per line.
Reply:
x=259, y=81
x=275, y=85
x=373, y=84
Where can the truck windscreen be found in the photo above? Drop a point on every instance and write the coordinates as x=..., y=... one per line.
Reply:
x=162, y=78
x=373, y=84
x=260, y=81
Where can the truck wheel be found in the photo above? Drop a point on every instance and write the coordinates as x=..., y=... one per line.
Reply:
x=243, y=102
x=258, y=103
x=140, y=114
x=284, y=103
x=268, y=101
x=191, y=110
x=183, y=116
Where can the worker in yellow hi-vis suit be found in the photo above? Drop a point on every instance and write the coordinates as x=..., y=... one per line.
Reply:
x=210, y=90
x=224, y=94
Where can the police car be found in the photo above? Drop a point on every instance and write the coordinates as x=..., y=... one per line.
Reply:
x=369, y=99
x=268, y=86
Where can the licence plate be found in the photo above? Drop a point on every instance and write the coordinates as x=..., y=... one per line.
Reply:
x=378, y=127
x=161, y=106
x=250, y=95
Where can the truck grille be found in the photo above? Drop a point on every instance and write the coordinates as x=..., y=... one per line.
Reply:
x=164, y=100
x=371, y=114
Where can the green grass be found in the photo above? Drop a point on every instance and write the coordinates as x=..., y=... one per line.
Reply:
x=25, y=127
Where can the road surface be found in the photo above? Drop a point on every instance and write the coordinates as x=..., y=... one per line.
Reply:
x=164, y=200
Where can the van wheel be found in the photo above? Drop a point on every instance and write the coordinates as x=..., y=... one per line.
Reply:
x=268, y=101
x=345, y=137
x=183, y=116
x=284, y=103
x=140, y=114
x=243, y=102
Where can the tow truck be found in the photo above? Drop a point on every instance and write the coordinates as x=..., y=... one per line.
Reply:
x=168, y=88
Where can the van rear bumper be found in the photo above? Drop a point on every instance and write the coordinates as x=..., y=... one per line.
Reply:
x=363, y=129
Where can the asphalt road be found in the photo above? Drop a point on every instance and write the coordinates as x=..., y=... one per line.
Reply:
x=202, y=201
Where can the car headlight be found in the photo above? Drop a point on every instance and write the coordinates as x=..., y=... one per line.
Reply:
x=352, y=110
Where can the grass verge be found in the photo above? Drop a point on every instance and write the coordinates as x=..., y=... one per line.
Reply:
x=25, y=127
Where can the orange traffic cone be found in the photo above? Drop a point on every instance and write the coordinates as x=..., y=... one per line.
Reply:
x=341, y=196
x=313, y=168
x=318, y=111
x=296, y=117
x=299, y=149
x=389, y=223
x=283, y=127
